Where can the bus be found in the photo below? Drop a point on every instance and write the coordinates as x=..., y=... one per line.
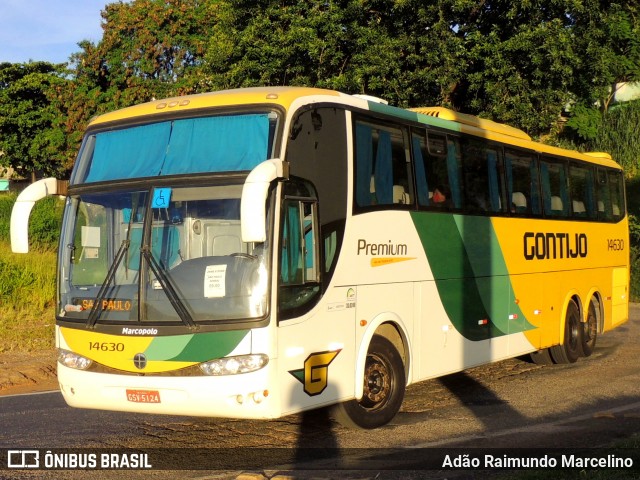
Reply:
x=258, y=252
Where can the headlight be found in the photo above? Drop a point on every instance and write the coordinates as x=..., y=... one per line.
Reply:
x=234, y=365
x=73, y=360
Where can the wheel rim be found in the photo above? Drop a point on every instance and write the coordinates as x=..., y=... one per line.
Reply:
x=590, y=327
x=378, y=383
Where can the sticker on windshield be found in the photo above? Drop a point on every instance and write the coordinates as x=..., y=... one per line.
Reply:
x=214, y=281
x=161, y=198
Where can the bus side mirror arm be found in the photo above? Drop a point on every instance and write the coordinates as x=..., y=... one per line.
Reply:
x=22, y=209
x=254, y=196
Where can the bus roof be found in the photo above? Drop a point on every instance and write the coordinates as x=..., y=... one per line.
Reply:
x=286, y=96
x=283, y=96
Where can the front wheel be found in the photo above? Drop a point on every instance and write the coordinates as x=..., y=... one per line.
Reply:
x=384, y=385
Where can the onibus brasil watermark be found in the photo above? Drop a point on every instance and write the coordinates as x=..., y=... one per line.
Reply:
x=34, y=459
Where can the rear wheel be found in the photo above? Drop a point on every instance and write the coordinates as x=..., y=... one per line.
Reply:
x=541, y=357
x=384, y=385
x=571, y=348
x=590, y=330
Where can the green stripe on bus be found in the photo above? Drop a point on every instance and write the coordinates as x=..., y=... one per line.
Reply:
x=470, y=274
x=197, y=347
x=413, y=116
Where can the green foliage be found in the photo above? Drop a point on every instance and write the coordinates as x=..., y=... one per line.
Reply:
x=512, y=61
x=521, y=59
x=358, y=47
x=29, y=138
x=6, y=204
x=12, y=279
x=634, y=258
x=585, y=121
x=633, y=206
x=27, y=282
x=614, y=131
x=27, y=299
x=44, y=222
x=608, y=49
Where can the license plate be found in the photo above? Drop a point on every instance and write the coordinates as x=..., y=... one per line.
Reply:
x=143, y=396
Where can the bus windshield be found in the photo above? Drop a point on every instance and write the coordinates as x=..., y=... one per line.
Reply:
x=166, y=254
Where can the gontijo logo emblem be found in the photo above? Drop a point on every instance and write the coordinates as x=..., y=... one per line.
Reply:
x=384, y=253
x=315, y=374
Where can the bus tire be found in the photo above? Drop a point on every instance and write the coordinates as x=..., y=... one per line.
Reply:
x=541, y=357
x=571, y=347
x=590, y=330
x=384, y=385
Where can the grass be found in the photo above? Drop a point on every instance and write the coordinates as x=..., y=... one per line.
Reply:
x=27, y=299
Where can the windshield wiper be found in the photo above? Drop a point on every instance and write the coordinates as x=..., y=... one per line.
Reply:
x=95, y=308
x=169, y=290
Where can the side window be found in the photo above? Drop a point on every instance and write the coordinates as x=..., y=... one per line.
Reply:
x=382, y=169
x=582, y=191
x=483, y=178
x=555, y=194
x=299, y=243
x=523, y=183
x=616, y=187
x=299, y=276
x=605, y=211
x=436, y=170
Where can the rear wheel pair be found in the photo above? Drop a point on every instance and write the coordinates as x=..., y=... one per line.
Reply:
x=579, y=337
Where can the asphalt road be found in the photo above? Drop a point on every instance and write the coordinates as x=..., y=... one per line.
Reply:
x=511, y=404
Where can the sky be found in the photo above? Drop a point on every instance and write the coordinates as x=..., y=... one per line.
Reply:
x=47, y=30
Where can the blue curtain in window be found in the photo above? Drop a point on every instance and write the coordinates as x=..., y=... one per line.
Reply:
x=564, y=193
x=208, y=144
x=421, y=174
x=509, y=170
x=219, y=144
x=494, y=186
x=546, y=187
x=535, y=187
x=452, y=170
x=590, y=189
x=364, y=164
x=128, y=153
x=290, y=267
x=384, y=169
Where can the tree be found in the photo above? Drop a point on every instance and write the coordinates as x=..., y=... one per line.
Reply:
x=509, y=60
x=609, y=52
x=520, y=60
x=608, y=48
x=149, y=49
x=30, y=141
x=375, y=47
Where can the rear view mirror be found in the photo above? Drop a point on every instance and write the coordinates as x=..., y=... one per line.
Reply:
x=254, y=196
x=22, y=209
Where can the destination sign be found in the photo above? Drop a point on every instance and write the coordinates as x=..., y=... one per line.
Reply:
x=106, y=305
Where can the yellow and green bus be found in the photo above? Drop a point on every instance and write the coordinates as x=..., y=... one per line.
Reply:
x=259, y=252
